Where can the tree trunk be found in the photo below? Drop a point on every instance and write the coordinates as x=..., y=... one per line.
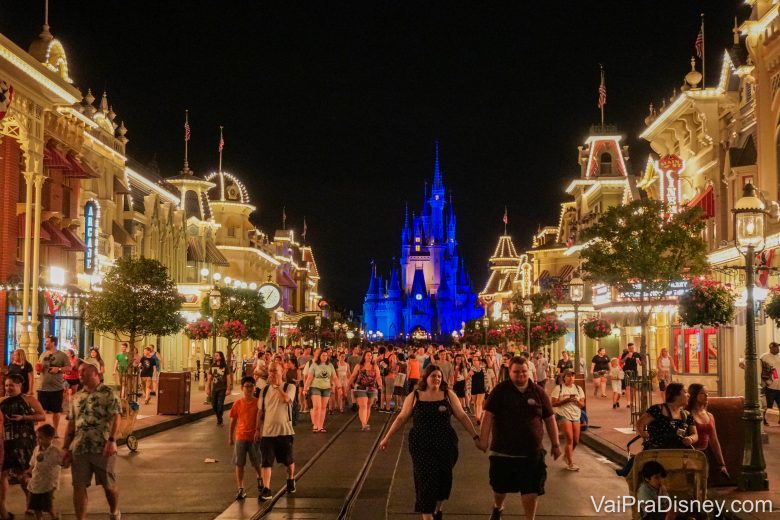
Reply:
x=644, y=392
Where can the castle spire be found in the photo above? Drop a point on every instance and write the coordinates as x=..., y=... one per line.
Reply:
x=438, y=185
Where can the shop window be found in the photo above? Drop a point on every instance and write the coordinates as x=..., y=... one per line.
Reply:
x=231, y=231
x=696, y=351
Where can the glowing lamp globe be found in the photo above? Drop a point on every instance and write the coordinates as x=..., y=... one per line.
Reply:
x=749, y=220
x=576, y=289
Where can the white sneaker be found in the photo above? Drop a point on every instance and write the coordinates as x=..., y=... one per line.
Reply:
x=115, y=516
x=573, y=467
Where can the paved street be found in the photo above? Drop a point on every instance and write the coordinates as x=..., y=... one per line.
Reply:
x=168, y=478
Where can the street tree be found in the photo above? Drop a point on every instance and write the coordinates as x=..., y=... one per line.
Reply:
x=640, y=249
x=137, y=299
x=240, y=316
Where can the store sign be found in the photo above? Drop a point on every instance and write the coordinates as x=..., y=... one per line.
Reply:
x=603, y=294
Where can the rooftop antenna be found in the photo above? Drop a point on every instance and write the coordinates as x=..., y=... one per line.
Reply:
x=221, y=177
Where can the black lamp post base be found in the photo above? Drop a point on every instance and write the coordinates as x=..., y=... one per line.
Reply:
x=751, y=480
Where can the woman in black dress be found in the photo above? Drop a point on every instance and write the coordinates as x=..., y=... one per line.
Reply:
x=433, y=442
x=20, y=413
x=669, y=425
x=477, y=375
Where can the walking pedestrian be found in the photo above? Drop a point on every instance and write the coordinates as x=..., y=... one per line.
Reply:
x=20, y=412
x=616, y=376
x=770, y=377
x=320, y=380
x=366, y=380
x=568, y=400
x=665, y=367
x=477, y=376
x=158, y=366
x=460, y=377
x=275, y=430
x=121, y=362
x=542, y=368
x=630, y=362
x=599, y=367
x=147, y=373
x=44, y=473
x=90, y=444
x=516, y=413
x=243, y=424
x=708, y=441
x=52, y=365
x=20, y=365
x=342, y=373
x=433, y=443
x=563, y=364
x=219, y=380
x=94, y=359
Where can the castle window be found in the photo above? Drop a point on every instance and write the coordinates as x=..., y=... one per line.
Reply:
x=417, y=248
x=606, y=164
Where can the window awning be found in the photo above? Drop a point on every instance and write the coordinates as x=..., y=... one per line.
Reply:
x=565, y=272
x=20, y=229
x=77, y=170
x=76, y=244
x=58, y=238
x=283, y=278
x=544, y=274
x=54, y=159
x=214, y=255
x=121, y=236
x=119, y=187
x=706, y=201
x=194, y=251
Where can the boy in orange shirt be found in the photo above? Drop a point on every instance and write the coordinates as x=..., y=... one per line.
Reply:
x=243, y=422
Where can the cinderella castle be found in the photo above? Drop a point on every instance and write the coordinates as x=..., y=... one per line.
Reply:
x=430, y=292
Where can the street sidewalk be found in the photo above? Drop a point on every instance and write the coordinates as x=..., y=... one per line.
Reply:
x=148, y=422
x=610, y=430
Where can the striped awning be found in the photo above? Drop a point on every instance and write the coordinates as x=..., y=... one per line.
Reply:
x=565, y=272
x=544, y=274
x=194, y=251
x=214, y=255
x=57, y=237
x=54, y=159
x=76, y=244
x=20, y=229
x=706, y=201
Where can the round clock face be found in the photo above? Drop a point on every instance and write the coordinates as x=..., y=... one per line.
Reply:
x=272, y=297
x=418, y=296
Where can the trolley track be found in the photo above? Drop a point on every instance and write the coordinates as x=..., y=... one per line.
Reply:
x=338, y=453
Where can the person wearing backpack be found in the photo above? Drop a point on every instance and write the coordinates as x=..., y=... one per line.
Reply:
x=275, y=431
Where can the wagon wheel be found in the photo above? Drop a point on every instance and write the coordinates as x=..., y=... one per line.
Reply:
x=132, y=442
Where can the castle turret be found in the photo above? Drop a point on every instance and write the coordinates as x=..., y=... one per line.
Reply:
x=436, y=201
x=451, y=223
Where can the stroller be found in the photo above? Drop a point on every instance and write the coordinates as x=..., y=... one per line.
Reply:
x=686, y=469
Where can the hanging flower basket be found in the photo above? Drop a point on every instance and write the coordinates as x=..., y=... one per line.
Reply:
x=295, y=335
x=708, y=303
x=495, y=336
x=596, y=328
x=198, y=330
x=550, y=330
x=772, y=305
x=514, y=332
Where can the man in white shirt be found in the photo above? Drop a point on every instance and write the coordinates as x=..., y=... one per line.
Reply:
x=770, y=380
x=275, y=429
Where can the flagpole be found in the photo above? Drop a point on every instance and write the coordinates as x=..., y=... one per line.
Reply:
x=221, y=177
x=602, y=104
x=186, y=136
x=703, y=56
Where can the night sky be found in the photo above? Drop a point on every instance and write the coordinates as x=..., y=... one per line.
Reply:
x=332, y=108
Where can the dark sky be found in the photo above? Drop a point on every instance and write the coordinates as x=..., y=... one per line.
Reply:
x=332, y=108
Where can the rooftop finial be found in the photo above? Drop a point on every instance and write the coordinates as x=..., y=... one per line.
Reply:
x=187, y=136
x=221, y=177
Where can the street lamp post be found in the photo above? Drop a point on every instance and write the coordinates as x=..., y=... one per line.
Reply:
x=528, y=309
x=317, y=325
x=215, y=302
x=576, y=293
x=485, y=325
x=749, y=220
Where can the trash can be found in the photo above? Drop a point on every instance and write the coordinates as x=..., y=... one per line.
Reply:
x=173, y=393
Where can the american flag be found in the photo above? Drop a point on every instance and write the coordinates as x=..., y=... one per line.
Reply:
x=602, y=91
x=505, y=220
x=305, y=228
x=700, y=42
x=187, y=134
x=221, y=143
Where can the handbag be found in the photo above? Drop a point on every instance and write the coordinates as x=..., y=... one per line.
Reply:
x=400, y=379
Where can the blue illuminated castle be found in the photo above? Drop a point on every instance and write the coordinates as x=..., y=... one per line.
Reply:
x=432, y=294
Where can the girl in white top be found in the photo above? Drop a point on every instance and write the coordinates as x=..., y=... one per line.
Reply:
x=615, y=376
x=568, y=400
x=342, y=371
x=665, y=368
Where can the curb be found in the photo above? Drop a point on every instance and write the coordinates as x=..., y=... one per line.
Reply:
x=175, y=422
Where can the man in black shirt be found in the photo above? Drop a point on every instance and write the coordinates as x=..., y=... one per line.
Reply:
x=631, y=361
